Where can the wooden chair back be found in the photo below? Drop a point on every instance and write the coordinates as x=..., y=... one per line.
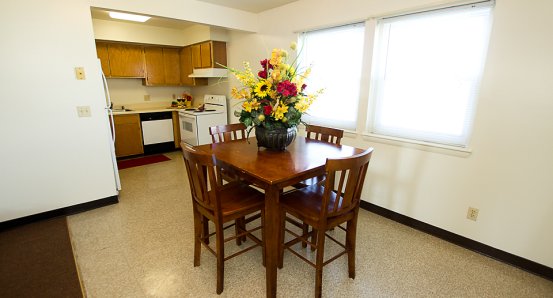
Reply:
x=203, y=176
x=225, y=133
x=344, y=183
x=326, y=134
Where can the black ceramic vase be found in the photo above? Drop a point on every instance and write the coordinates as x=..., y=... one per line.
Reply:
x=276, y=138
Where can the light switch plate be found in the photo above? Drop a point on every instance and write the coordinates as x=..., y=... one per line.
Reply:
x=79, y=73
x=83, y=111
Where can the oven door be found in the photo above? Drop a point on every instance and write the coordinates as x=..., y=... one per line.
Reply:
x=188, y=129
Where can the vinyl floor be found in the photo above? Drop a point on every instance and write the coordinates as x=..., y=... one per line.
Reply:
x=143, y=247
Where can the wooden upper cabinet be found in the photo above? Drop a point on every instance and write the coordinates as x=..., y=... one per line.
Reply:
x=205, y=49
x=171, y=63
x=155, y=74
x=196, y=56
x=162, y=66
x=186, y=68
x=102, y=52
x=126, y=60
x=209, y=54
x=219, y=54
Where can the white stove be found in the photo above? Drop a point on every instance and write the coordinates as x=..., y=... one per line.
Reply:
x=195, y=123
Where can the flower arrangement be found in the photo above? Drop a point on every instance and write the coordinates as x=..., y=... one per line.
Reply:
x=275, y=97
x=186, y=100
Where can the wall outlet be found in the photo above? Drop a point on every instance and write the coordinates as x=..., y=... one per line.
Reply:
x=83, y=111
x=472, y=213
x=147, y=97
x=174, y=96
x=79, y=73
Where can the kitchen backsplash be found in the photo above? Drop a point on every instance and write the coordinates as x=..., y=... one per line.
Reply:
x=129, y=92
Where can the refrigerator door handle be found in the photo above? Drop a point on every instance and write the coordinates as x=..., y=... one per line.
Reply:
x=109, y=107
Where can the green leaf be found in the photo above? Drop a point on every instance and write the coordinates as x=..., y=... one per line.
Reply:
x=247, y=121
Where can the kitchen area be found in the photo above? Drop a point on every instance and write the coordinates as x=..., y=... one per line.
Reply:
x=164, y=82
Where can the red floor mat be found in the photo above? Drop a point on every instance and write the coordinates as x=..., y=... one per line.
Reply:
x=146, y=160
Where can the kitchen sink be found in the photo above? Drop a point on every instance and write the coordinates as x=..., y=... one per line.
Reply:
x=122, y=110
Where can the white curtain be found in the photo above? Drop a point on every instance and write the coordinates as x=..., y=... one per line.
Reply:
x=427, y=74
x=336, y=57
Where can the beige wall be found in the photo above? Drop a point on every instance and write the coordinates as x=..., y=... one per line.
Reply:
x=143, y=33
x=131, y=92
x=507, y=175
x=139, y=33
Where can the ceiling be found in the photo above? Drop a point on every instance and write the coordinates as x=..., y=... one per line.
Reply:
x=154, y=21
x=255, y=6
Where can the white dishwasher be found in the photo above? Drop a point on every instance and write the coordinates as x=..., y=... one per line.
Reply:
x=157, y=132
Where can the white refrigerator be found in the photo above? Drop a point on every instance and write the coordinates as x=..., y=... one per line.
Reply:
x=111, y=124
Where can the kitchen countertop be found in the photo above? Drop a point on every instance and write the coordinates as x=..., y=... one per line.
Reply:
x=146, y=110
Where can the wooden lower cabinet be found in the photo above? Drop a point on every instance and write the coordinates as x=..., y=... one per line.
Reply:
x=176, y=129
x=128, y=135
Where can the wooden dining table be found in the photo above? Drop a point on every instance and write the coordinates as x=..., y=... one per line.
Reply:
x=273, y=171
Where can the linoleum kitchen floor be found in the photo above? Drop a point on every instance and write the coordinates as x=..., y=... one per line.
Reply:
x=143, y=247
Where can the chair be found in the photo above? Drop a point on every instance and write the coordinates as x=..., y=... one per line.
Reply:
x=325, y=134
x=326, y=207
x=225, y=133
x=221, y=204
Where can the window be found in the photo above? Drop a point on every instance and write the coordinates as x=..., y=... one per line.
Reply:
x=336, y=56
x=426, y=74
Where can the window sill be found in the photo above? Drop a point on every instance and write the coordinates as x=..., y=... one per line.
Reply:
x=421, y=145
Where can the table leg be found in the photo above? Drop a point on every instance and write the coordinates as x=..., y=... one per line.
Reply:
x=271, y=239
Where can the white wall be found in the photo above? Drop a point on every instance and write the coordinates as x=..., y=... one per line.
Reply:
x=50, y=158
x=508, y=174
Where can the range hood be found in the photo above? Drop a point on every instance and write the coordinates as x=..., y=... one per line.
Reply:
x=209, y=73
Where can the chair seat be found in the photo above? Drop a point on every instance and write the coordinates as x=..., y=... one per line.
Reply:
x=306, y=202
x=238, y=198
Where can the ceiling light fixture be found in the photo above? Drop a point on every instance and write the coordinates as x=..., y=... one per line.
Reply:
x=128, y=17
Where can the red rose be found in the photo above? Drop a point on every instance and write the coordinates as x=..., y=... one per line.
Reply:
x=265, y=63
x=286, y=88
x=267, y=110
x=262, y=74
x=303, y=87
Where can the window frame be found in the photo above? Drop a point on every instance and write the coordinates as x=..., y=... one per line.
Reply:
x=369, y=131
x=361, y=95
